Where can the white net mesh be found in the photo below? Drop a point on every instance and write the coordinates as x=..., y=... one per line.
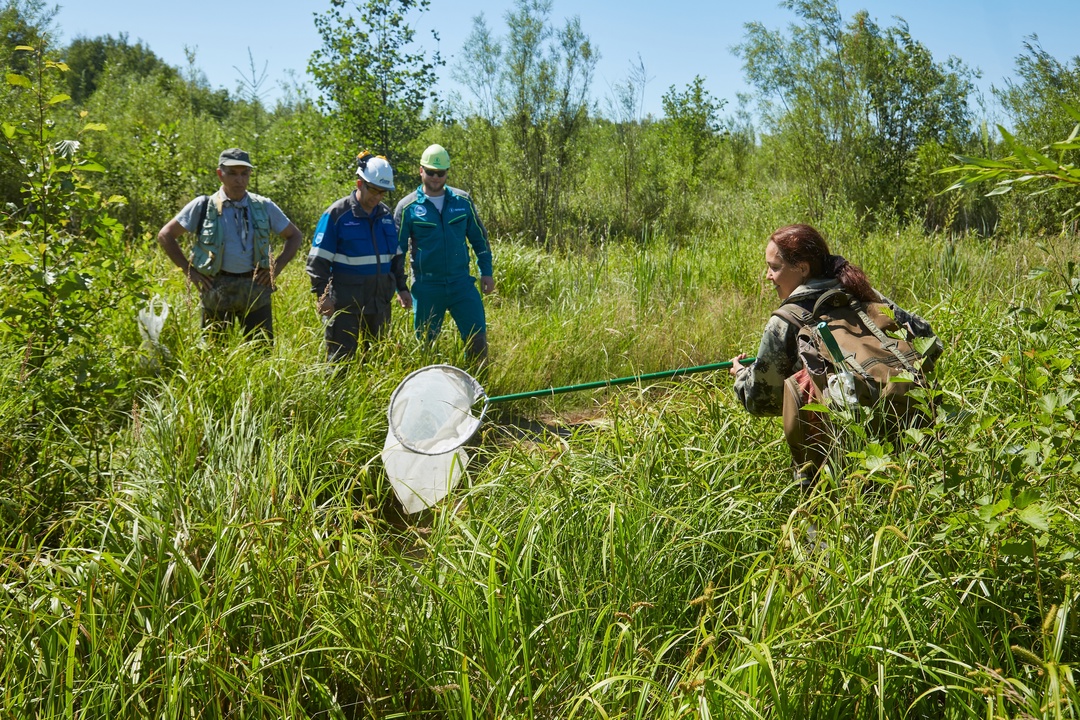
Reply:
x=420, y=481
x=431, y=417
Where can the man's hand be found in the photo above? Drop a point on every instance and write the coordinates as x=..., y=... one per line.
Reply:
x=404, y=299
x=265, y=277
x=487, y=284
x=325, y=305
x=200, y=281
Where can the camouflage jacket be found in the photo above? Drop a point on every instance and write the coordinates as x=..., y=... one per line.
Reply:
x=760, y=386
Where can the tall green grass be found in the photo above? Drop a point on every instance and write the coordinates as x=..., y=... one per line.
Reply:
x=241, y=554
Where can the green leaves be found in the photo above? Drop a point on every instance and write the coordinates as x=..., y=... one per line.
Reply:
x=979, y=162
x=923, y=344
x=90, y=166
x=852, y=105
x=1023, y=165
x=63, y=268
x=1035, y=516
x=19, y=80
x=378, y=98
x=1017, y=516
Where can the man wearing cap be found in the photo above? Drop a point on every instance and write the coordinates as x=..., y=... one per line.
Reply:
x=231, y=263
x=434, y=224
x=355, y=264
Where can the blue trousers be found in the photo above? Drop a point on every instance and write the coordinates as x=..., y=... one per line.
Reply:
x=461, y=297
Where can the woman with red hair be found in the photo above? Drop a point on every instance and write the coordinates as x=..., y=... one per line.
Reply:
x=800, y=267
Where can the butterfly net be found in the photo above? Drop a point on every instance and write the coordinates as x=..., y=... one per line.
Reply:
x=432, y=413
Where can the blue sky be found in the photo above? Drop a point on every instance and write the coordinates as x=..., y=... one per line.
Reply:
x=676, y=42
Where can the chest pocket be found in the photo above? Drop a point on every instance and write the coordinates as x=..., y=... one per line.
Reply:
x=424, y=229
x=455, y=249
x=388, y=232
x=261, y=223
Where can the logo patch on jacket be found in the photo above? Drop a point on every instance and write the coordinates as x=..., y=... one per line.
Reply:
x=420, y=211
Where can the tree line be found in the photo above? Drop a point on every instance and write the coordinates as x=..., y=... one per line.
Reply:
x=849, y=113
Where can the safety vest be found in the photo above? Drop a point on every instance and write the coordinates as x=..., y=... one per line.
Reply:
x=210, y=242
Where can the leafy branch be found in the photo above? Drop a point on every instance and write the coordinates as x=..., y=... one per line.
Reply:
x=62, y=258
x=1023, y=165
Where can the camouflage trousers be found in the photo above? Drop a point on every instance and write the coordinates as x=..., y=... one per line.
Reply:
x=235, y=298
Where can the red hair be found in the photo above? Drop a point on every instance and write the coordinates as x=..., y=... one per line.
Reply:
x=803, y=243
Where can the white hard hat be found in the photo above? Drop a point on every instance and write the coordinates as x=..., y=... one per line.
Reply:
x=376, y=170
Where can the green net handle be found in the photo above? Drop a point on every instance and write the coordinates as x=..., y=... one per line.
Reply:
x=617, y=381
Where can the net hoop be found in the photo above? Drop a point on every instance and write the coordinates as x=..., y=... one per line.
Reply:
x=431, y=411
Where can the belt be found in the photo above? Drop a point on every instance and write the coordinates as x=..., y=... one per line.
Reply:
x=247, y=274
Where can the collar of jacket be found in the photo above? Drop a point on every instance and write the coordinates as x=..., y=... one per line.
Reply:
x=377, y=212
x=811, y=289
x=220, y=198
x=421, y=196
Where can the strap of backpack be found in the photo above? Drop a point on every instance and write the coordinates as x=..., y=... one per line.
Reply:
x=794, y=315
x=202, y=213
x=838, y=297
x=854, y=364
x=886, y=341
x=831, y=298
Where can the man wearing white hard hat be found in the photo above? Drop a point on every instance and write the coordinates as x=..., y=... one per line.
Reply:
x=435, y=221
x=355, y=264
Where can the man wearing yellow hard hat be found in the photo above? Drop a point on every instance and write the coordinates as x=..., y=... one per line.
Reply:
x=436, y=225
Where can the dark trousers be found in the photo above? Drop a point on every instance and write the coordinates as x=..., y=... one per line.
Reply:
x=345, y=332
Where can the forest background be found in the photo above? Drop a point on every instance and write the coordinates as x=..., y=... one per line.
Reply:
x=191, y=528
x=541, y=143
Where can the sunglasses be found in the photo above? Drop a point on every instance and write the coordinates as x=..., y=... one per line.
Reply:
x=374, y=188
x=435, y=173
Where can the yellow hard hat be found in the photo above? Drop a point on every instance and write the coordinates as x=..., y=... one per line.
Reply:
x=436, y=158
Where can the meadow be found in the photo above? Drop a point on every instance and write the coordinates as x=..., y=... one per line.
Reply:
x=203, y=528
x=234, y=551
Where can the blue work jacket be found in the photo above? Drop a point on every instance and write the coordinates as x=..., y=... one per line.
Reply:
x=353, y=248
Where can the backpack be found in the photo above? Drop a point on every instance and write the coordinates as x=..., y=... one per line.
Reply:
x=878, y=363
